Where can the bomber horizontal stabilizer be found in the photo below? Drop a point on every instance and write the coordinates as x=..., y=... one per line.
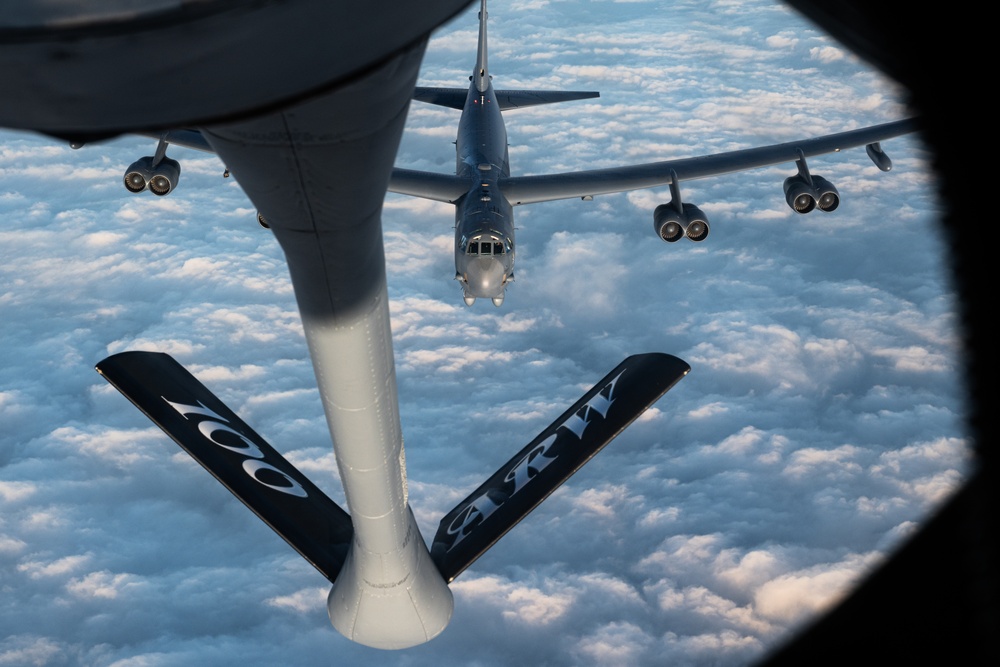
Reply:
x=454, y=98
x=223, y=444
x=550, y=459
x=517, y=99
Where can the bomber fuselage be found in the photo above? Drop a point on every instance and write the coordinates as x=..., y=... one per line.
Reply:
x=484, y=221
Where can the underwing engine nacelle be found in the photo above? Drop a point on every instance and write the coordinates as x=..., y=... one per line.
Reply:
x=157, y=172
x=804, y=192
x=138, y=174
x=675, y=220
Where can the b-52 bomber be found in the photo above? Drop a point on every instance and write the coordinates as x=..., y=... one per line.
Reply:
x=484, y=192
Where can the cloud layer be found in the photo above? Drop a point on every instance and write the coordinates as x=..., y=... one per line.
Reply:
x=820, y=425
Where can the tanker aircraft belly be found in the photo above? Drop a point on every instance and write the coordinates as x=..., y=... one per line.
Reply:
x=317, y=166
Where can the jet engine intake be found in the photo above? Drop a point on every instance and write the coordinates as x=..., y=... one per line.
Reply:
x=671, y=225
x=799, y=194
x=138, y=174
x=803, y=196
x=827, y=197
x=804, y=192
x=160, y=180
x=165, y=177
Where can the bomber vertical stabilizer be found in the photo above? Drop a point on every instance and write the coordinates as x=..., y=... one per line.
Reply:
x=481, y=76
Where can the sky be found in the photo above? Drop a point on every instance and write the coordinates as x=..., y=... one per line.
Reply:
x=821, y=423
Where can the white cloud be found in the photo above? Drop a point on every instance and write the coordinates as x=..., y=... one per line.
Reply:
x=603, y=501
x=822, y=416
x=303, y=601
x=790, y=597
x=119, y=449
x=830, y=462
x=614, y=644
x=826, y=54
x=102, y=584
x=527, y=605
x=11, y=545
x=60, y=567
x=916, y=359
x=12, y=491
x=23, y=650
x=782, y=40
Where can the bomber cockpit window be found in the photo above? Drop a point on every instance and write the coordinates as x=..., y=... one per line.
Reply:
x=486, y=246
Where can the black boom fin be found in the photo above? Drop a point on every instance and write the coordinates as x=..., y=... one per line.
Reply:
x=223, y=444
x=550, y=459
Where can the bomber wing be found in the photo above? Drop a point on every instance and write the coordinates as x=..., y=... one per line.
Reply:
x=548, y=187
x=426, y=184
x=567, y=185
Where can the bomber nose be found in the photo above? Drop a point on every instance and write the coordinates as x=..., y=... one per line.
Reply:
x=484, y=276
